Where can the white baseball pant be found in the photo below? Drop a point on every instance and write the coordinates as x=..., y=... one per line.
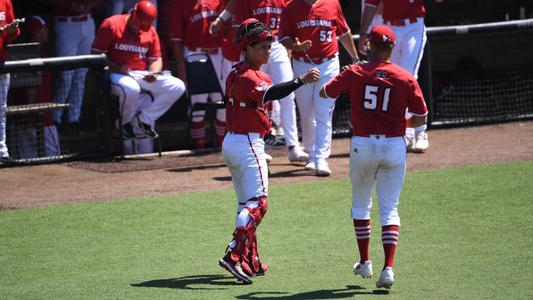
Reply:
x=165, y=89
x=381, y=162
x=315, y=112
x=218, y=63
x=4, y=88
x=279, y=69
x=72, y=38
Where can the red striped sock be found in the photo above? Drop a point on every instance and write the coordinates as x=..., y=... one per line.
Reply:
x=389, y=237
x=362, y=234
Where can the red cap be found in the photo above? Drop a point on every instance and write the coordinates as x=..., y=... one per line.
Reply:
x=144, y=14
x=382, y=34
x=252, y=31
x=33, y=24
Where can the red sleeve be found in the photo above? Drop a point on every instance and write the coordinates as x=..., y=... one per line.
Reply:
x=285, y=29
x=416, y=104
x=342, y=26
x=9, y=19
x=177, y=24
x=339, y=84
x=255, y=87
x=154, y=52
x=103, y=38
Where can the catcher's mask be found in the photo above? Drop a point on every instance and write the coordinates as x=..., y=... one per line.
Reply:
x=250, y=32
x=143, y=14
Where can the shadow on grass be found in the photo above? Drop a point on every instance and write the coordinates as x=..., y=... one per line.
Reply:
x=349, y=291
x=189, y=282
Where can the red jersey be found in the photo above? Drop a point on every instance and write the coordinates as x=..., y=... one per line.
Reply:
x=245, y=89
x=394, y=10
x=191, y=20
x=6, y=17
x=124, y=47
x=320, y=23
x=380, y=92
x=266, y=11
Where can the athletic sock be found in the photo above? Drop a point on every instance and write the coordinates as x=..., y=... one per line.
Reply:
x=362, y=234
x=389, y=237
x=197, y=131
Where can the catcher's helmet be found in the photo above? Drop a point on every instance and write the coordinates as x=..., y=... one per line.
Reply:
x=252, y=31
x=143, y=14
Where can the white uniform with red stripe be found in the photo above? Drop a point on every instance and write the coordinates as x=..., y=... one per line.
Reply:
x=6, y=17
x=74, y=34
x=136, y=51
x=190, y=25
x=321, y=23
x=380, y=92
x=279, y=66
x=243, y=148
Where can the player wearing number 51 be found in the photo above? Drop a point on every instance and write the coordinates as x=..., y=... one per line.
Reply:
x=380, y=92
x=310, y=28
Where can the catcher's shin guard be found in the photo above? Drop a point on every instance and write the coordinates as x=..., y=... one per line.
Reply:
x=257, y=213
x=257, y=267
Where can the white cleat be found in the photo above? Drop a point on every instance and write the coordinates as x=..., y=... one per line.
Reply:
x=363, y=269
x=386, y=279
x=297, y=154
x=410, y=143
x=422, y=142
x=310, y=166
x=322, y=168
x=268, y=157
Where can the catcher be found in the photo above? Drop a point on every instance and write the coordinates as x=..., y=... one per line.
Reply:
x=248, y=91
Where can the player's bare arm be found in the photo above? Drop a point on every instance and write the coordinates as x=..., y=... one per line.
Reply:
x=366, y=20
x=154, y=67
x=296, y=45
x=348, y=44
x=225, y=15
x=177, y=48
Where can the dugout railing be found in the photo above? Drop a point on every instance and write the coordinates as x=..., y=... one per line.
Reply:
x=32, y=135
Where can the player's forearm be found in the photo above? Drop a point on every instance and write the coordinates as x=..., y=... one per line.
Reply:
x=416, y=121
x=177, y=48
x=156, y=66
x=348, y=44
x=366, y=19
x=282, y=90
x=288, y=43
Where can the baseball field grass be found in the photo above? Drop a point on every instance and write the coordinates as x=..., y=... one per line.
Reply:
x=466, y=234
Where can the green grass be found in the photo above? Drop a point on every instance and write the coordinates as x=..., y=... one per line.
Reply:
x=466, y=234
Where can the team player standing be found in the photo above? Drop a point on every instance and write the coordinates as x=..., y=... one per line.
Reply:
x=380, y=92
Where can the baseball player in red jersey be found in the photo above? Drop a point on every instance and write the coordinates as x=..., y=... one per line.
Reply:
x=74, y=34
x=406, y=18
x=134, y=57
x=248, y=90
x=310, y=28
x=9, y=31
x=190, y=34
x=380, y=92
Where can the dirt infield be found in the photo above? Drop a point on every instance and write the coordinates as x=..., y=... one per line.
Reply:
x=37, y=186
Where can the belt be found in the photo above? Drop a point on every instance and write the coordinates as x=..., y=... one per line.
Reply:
x=379, y=136
x=243, y=104
x=205, y=50
x=82, y=18
x=401, y=22
x=315, y=61
x=246, y=133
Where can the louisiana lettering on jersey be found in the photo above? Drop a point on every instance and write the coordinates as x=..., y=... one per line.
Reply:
x=131, y=48
x=203, y=15
x=267, y=10
x=315, y=23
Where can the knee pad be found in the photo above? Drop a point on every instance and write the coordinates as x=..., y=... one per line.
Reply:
x=257, y=213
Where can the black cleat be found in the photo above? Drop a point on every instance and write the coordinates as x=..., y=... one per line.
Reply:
x=234, y=268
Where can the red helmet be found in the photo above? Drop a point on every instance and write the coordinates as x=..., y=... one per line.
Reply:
x=143, y=14
x=252, y=31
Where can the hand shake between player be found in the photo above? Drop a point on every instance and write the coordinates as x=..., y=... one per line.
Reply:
x=312, y=76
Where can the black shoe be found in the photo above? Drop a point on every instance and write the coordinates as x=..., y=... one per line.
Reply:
x=148, y=130
x=234, y=268
x=6, y=160
x=127, y=131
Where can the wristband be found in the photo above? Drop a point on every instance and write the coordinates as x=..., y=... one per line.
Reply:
x=224, y=15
